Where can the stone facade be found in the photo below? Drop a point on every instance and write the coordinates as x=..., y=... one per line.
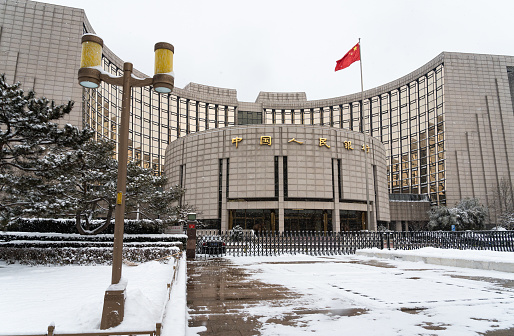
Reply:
x=301, y=167
x=479, y=126
x=407, y=215
x=39, y=48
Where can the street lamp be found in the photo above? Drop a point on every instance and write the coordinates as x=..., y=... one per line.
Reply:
x=90, y=75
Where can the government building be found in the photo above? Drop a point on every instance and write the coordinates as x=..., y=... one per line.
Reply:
x=439, y=134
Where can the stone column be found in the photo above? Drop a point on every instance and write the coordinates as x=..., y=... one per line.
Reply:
x=281, y=194
x=398, y=226
x=336, y=219
x=224, y=196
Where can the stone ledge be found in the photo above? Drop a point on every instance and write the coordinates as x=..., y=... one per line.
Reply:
x=453, y=262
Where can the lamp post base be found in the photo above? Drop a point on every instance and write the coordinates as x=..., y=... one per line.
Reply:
x=114, y=306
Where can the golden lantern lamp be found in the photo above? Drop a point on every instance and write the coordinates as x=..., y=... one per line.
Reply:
x=91, y=74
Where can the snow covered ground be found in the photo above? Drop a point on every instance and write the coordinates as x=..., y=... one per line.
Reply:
x=391, y=297
x=71, y=297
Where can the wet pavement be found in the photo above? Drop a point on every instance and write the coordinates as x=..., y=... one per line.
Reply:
x=221, y=295
x=218, y=292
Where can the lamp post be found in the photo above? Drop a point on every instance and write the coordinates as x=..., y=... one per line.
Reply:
x=90, y=75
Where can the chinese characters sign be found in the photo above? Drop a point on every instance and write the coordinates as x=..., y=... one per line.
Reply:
x=294, y=140
x=323, y=142
x=237, y=140
x=266, y=140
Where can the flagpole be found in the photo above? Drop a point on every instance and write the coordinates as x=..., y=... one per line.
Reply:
x=362, y=84
x=365, y=152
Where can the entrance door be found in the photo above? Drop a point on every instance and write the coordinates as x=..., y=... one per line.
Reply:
x=352, y=220
x=259, y=220
x=307, y=220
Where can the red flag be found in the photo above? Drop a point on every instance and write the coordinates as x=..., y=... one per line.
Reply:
x=351, y=56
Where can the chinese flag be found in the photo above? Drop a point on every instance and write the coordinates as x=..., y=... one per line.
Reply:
x=351, y=56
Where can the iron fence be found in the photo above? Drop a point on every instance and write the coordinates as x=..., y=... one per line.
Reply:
x=238, y=243
x=462, y=240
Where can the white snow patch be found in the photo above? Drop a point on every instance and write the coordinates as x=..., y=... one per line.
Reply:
x=32, y=297
x=451, y=301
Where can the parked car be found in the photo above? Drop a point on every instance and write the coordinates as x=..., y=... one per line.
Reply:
x=212, y=245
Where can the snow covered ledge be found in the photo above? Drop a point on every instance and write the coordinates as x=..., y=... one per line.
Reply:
x=477, y=259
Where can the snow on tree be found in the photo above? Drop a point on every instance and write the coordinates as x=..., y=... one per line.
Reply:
x=503, y=204
x=46, y=170
x=468, y=214
x=87, y=189
x=147, y=195
x=28, y=132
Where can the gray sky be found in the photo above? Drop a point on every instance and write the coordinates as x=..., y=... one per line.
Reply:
x=293, y=45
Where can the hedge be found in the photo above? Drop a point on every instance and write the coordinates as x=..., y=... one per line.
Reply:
x=142, y=226
x=46, y=241
x=82, y=256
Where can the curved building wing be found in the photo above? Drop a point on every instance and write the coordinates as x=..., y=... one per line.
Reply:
x=446, y=128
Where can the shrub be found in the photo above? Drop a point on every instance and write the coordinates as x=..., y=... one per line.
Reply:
x=468, y=214
x=142, y=226
x=62, y=249
x=81, y=255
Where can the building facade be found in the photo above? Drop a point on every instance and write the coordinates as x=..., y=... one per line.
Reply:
x=447, y=127
x=282, y=177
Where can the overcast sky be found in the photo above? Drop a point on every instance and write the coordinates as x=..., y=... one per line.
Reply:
x=293, y=46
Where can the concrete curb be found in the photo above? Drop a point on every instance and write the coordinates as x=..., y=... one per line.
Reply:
x=464, y=263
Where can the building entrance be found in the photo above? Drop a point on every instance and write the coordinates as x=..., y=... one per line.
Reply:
x=308, y=220
x=259, y=220
x=352, y=220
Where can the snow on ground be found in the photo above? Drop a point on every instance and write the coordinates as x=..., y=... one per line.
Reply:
x=175, y=319
x=392, y=297
x=397, y=297
x=32, y=297
x=479, y=255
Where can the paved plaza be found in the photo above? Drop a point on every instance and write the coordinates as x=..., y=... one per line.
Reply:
x=345, y=295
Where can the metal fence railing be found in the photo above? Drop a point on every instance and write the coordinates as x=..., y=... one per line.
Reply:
x=462, y=240
x=238, y=243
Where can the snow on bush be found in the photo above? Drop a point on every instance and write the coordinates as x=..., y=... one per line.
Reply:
x=143, y=226
x=63, y=249
x=82, y=255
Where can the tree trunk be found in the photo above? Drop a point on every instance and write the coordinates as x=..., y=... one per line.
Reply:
x=83, y=231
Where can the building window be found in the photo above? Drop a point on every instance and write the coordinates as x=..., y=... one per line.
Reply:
x=249, y=118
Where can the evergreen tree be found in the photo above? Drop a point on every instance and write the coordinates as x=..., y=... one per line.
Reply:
x=147, y=195
x=468, y=214
x=471, y=214
x=47, y=170
x=28, y=133
x=86, y=189
x=503, y=204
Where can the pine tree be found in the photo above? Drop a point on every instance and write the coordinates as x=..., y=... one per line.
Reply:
x=28, y=133
x=147, y=195
x=47, y=171
x=88, y=189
